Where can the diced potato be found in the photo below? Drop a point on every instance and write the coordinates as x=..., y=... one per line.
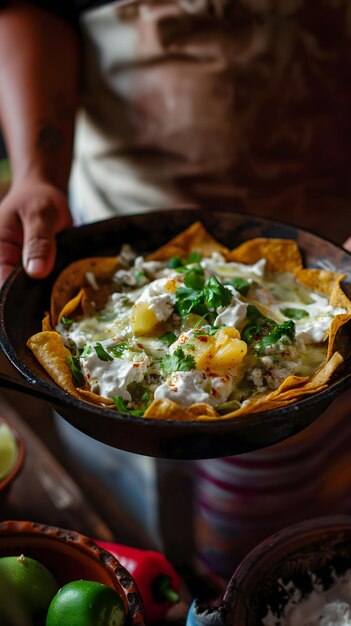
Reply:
x=226, y=333
x=144, y=320
x=228, y=355
x=219, y=352
x=204, y=345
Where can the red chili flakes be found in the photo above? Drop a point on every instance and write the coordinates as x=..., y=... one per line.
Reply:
x=136, y=364
x=203, y=338
x=88, y=376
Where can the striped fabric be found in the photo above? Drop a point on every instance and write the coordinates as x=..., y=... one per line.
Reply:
x=241, y=500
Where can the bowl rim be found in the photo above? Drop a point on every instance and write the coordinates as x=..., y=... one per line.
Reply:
x=304, y=530
x=21, y=452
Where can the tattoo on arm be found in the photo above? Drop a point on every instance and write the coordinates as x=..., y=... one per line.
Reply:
x=49, y=138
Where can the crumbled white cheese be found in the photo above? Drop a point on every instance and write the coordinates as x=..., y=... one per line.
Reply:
x=331, y=607
x=232, y=315
x=159, y=298
x=186, y=388
x=111, y=378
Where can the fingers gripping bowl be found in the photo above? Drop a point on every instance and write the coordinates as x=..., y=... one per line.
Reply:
x=199, y=429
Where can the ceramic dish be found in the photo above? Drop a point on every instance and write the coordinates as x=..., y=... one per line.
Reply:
x=319, y=548
x=71, y=556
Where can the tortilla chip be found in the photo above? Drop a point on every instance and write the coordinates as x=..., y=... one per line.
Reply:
x=166, y=410
x=201, y=408
x=48, y=348
x=74, y=277
x=194, y=239
x=282, y=255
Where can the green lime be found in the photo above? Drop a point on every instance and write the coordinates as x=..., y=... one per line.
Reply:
x=86, y=603
x=27, y=584
x=8, y=450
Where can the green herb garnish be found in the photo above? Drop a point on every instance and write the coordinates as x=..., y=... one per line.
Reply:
x=168, y=339
x=118, y=349
x=66, y=321
x=101, y=352
x=194, y=277
x=240, y=284
x=202, y=300
x=284, y=332
x=141, y=395
x=216, y=294
x=74, y=364
x=177, y=362
x=257, y=326
x=294, y=314
x=85, y=352
x=122, y=408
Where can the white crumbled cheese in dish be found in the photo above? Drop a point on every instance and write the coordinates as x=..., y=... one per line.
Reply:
x=159, y=298
x=187, y=388
x=330, y=607
x=232, y=315
x=111, y=378
x=314, y=327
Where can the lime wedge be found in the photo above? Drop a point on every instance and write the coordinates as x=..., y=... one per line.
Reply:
x=8, y=450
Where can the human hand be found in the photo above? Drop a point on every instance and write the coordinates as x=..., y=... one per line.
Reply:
x=347, y=244
x=31, y=214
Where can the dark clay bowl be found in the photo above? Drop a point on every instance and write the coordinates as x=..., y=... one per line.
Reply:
x=7, y=482
x=315, y=546
x=162, y=438
x=71, y=556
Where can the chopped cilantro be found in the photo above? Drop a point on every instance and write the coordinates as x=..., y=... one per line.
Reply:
x=257, y=326
x=177, y=362
x=74, y=364
x=190, y=300
x=240, y=284
x=175, y=262
x=85, y=352
x=66, y=321
x=294, y=314
x=121, y=407
x=195, y=277
x=284, y=332
x=168, y=339
x=194, y=257
x=141, y=395
x=118, y=349
x=101, y=352
x=202, y=300
x=216, y=294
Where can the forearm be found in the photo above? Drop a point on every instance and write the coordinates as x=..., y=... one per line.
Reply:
x=39, y=69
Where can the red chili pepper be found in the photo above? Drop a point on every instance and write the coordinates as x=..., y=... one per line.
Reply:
x=155, y=577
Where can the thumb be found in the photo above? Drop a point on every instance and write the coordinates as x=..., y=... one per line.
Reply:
x=39, y=244
x=347, y=244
